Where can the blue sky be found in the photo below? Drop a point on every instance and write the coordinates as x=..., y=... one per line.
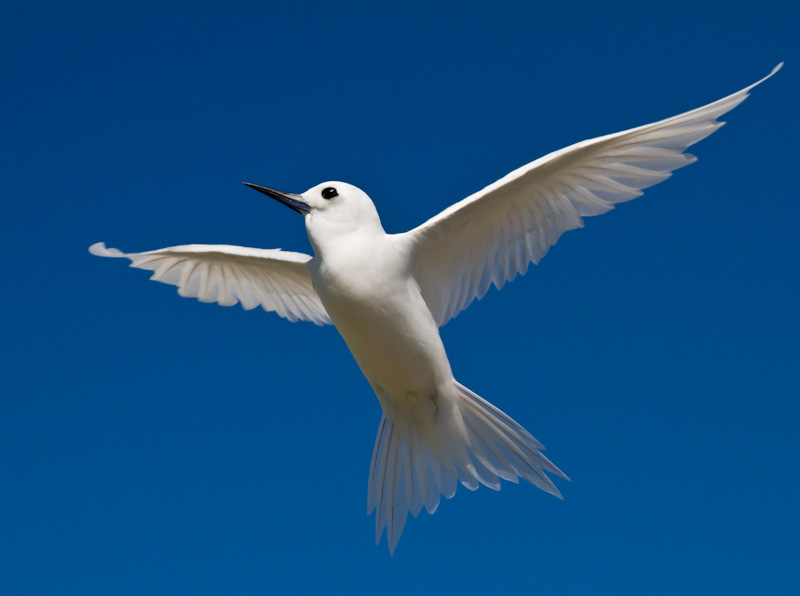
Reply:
x=153, y=444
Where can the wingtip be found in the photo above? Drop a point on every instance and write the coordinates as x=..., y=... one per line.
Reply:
x=746, y=91
x=772, y=72
x=99, y=249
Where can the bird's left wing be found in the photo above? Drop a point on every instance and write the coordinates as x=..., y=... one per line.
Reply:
x=273, y=279
x=490, y=237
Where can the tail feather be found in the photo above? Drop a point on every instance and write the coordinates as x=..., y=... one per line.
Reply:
x=508, y=441
x=483, y=446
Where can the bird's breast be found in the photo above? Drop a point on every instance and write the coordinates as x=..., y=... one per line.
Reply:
x=377, y=307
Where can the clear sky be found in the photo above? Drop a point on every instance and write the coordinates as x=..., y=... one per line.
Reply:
x=154, y=445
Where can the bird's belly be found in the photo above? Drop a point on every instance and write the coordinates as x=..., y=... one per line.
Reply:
x=395, y=341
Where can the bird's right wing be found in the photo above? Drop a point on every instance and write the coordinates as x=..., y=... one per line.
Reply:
x=277, y=281
x=492, y=236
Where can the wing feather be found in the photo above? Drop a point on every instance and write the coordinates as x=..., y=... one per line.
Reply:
x=277, y=281
x=493, y=235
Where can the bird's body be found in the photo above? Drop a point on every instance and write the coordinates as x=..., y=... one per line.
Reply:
x=388, y=294
x=364, y=282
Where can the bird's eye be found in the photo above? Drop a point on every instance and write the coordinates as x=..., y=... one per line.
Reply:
x=329, y=193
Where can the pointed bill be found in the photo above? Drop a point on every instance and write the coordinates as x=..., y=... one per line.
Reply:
x=290, y=199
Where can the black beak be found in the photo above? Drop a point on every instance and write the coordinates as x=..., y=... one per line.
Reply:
x=289, y=199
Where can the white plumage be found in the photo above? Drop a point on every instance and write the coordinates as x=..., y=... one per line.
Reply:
x=388, y=294
x=275, y=280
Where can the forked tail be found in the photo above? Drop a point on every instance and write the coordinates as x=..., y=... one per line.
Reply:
x=482, y=445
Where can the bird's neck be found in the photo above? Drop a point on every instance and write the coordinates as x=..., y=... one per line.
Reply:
x=329, y=238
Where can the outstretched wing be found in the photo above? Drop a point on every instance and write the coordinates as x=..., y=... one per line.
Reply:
x=493, y=235
x=275, y=280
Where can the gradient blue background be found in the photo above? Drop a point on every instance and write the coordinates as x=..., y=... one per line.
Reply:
x=155, y=445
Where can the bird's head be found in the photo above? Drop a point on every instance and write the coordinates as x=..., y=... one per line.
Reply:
x=331, y=209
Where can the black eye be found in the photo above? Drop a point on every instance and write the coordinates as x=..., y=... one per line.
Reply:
x=329, y=193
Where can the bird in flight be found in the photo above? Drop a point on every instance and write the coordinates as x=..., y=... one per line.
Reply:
x=388, y=294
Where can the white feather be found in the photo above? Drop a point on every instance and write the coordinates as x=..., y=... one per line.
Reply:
x=277, y=281
x=492, y=235
x=483, y=444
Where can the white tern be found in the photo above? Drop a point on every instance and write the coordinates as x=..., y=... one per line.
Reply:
x=388, y=294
